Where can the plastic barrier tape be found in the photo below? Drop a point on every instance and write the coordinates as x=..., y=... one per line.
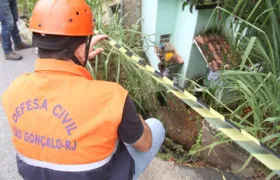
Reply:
x=260, y=151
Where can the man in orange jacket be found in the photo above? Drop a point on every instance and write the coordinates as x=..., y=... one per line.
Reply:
x=65, y=125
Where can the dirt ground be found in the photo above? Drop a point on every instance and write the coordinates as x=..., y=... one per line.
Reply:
x=183, y=126
x=179, y=128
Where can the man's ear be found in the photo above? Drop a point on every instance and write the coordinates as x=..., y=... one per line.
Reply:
x=80, y=53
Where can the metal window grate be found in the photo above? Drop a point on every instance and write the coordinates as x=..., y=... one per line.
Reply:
x=165, y=38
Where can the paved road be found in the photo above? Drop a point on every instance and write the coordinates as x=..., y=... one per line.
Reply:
x=158, y=170
x=9, y=70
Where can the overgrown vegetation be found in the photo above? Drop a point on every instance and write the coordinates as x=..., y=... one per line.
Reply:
x=112, y=66
x=198, y=3
x=253, y=87
x=258, y=92
x=26, y=6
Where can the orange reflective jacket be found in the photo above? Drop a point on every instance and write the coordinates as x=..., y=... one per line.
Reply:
x=60, y=115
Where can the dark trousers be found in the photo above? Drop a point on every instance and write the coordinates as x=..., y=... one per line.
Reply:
x=8, y=18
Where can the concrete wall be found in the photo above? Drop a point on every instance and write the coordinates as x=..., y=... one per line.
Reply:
x=184, y=30
x=133, y=10
x=149, y=19
x=158, y=18
x=197, y=66
x=166, y=16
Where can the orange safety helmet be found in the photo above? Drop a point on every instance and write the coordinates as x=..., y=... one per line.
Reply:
x=62, y=24
x=62, y=17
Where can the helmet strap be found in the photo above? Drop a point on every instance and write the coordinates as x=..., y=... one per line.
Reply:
x=74, y=58
x=72, y=49
x=87, y=49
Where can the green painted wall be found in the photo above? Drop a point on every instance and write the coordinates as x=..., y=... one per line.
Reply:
x=149, y=21
x=197, y=66
x=166, y=16
x=184, y=30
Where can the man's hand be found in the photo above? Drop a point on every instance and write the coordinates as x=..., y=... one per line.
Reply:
x=80, y=51
x=94, y=41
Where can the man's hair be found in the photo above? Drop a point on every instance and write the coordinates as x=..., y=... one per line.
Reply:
x=55, y=46
x=51, y=54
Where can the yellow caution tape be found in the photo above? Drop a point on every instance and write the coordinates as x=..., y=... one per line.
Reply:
x=260, y=151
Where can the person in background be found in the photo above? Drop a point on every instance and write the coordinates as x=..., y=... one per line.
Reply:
x=8, y=18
